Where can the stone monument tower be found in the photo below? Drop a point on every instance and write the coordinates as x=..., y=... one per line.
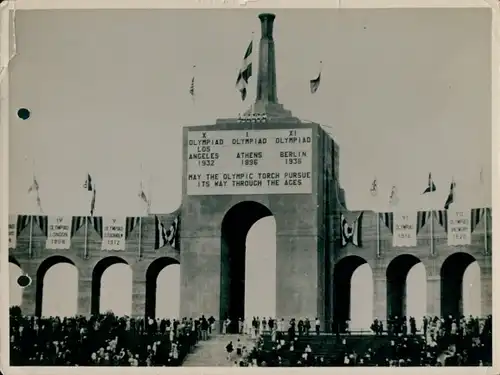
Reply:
x=238, y=171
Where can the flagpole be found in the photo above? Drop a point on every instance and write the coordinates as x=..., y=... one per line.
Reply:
x=378, y=234
x=139, y=247
x=85, y=247
x=432, y=232
x=486, y=231
x=30, y=246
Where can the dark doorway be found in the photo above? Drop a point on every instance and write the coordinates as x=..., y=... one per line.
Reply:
x=397, y=274
x=342, y=277
x=152, y=273
x=235, y=226
x=97, y=273
x=452, y=276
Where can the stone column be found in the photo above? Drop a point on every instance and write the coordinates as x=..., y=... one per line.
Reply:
x=298, y=292
x=380, y=295
x=138, y=294
x=28, y=304
x=84, y=290
x=486, y=291
x=433, y=295
x=201, y=277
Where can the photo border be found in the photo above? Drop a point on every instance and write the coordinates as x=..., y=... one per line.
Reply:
x=13, y=5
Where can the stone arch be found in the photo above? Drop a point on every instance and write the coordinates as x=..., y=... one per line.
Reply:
x=234, y=228
x=342, y=277
x=13, y=260
x=397, y=274
x=452, y=275
x=152, y=273
x=40, y=275
x=97, y=273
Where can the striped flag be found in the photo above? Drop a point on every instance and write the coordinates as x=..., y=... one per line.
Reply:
x=442, y=217
x=144, y=198
x=422, y=217
x=374, y=188
x=191, y=87
x=388, y=219
x=76, y=224
x=314, y=83
x=43, y=224
x=165, y=236
x=88, y=183
x=393, y=197
x=476, y=214
x=431, y=187
x=451, y=195
x=97, y=224
x=35, y=187
x=245, y=72
x=130, y=224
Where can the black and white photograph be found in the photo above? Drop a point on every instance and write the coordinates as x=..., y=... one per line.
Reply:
x=249, y=187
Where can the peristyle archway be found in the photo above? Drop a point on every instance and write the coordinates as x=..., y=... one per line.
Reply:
x=234, y=229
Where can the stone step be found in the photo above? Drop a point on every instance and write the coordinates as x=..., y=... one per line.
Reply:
x=212, y=352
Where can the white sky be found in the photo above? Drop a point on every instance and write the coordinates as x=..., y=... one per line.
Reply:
x=405, y=92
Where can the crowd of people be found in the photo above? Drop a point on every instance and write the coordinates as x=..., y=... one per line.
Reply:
x=441, y=342
x=103, y=340
x=108, y=340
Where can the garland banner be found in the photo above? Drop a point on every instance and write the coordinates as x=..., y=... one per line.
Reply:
x=113, y=234
x=405, y=229
x=459, y=229
x=58, y=233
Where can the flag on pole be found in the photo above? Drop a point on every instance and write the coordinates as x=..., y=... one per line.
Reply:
x=144, y=198
x=374, y=188
x=314, y=83
x=88, y=183
x=451, y=195
x=92, y=202
x=191, y=87
x=393, y=196
x=431, y=187
x=164, y=236
x=35, y=187
x=245, y=72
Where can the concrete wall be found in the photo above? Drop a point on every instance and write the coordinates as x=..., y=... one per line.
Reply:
x=30, y=261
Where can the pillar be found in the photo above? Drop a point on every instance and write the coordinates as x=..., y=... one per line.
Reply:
x=433, y=295
x=28, y=305
x=84, y=291
x=486, y=291
x=201, y=276
x=298, y=292
x=380, y=294
x=138, y=294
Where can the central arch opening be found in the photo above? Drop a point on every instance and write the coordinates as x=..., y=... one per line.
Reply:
x=234, y=230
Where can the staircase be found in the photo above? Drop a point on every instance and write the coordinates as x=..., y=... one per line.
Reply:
x=212, y=352
x=328, y=346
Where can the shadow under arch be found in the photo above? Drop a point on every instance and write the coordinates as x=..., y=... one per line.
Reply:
x=234, y=229
x=152, y=273
x=452, y=276
x=97, y=273
x=342, y=277
x=40, y=276
x=397, y=275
